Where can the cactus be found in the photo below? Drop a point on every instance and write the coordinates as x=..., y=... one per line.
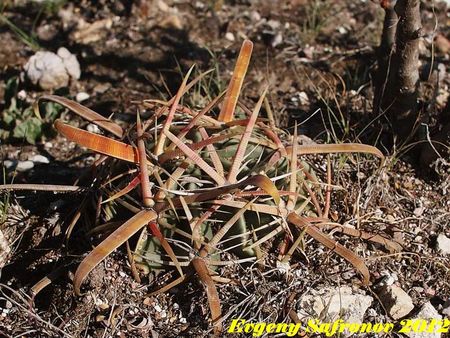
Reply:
x=209, y=184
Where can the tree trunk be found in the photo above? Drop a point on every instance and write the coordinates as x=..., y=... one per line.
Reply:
x=399, y=96
x=384, y=56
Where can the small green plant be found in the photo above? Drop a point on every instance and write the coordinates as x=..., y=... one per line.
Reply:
x=18, y=120
x=46, y=7
x=27, y=39
x=50, y=7
x=316, y=17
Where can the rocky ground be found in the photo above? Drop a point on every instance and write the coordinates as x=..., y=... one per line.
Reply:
x=318, y=58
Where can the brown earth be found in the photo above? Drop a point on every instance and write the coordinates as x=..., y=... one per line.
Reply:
x=318, y=58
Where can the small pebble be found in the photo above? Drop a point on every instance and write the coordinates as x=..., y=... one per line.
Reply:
x=360, y=175
x=101, y=88
x=199, y=5
x=418, y=211
x=304, y=99
x=342, y=30
x=9, y=164
x=39, y=159
x=22, y=95
x=274, y=24
x=81, y=96
x=24, y=165
x=46, y=32
x=255, y=16
x=371, y=312
x=390, y=219
x=93, y=128
x=163, y=7
x=229, y=36
x=277, y=39
x=443, y=244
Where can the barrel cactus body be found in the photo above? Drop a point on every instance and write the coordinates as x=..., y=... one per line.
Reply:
x=261, y=157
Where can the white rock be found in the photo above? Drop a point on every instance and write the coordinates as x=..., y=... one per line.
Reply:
x=199, y=5
x=47, y=70
x=339, y=303
x=102, y=88
x=4, y=250
x=277, y=39
x=93, y=128
x=67, y=16
x=388, y=279
x=427, y=313
x=255, y=16
x=397, y=302
x=372, y=312
x=102, y=304
x=342, y=30
x=306, y=140
x=446, y=308
x=274, y=24
x=443, y=244
x=360, y=175
x=284, y=267
x=70, y=62
x=22, y=94
x=230, y=36
x=87, y=33
x=63, y=53
x=24, y=165
x=309, y=51
x=46, y=32
x=9, y=164
x=162, y=6
x=303, y=98
x=81, y=96
x=52, y=71
x=418, y=211
x=39, y=159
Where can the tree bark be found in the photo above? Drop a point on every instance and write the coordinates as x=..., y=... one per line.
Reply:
x=399, y=96
x=384, y=55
